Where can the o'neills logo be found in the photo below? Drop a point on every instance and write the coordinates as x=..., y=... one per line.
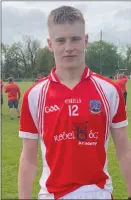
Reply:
x=64, y=136
x=73, y=100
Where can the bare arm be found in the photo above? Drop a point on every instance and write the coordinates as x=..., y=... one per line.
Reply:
x=27, y=168
x=123, y=152
x=19, y=93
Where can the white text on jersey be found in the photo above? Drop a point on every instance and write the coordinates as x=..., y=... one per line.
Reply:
x=73, y=100
x=71, y=136
x=64, y=136
x=49, y=109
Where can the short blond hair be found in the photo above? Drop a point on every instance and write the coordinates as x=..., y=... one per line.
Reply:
x=65, y=14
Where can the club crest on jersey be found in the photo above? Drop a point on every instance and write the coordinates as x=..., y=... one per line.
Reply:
x=95, y=106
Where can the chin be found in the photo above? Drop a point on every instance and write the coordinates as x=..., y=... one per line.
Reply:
x=70, y=65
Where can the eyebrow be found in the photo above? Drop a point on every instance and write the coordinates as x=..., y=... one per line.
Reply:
x=76, y=37
x=61, y=38
x=73, y=37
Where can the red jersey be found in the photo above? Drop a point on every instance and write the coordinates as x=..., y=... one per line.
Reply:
x=13, y=91
x=74, y=127
x=122, y=83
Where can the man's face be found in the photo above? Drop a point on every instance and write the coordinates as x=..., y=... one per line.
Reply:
x=68, y=43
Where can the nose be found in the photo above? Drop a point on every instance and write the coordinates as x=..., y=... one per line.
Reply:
x=69, y=47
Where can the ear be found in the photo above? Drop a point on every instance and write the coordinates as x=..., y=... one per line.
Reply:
x=50, y=45
x=86, y=41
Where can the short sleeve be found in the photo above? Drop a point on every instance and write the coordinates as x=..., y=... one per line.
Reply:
x=28, y=127
x=120, y=117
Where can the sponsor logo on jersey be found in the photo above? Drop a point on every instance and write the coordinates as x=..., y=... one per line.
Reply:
x=88, y=143
x=53, y=108
x=93, y=136
x=95, y=106
x=65, y=136
x=81, y=130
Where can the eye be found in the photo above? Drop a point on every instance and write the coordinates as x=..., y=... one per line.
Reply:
x=61, y=40
x=76, y=38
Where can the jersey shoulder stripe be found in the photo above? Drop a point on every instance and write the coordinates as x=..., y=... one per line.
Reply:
x=29, y=127
x=107, y=80
x=36, y=86
x=115, y=99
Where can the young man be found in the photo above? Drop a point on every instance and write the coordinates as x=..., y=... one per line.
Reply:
x=122, y=81
x=72, y=111
x=13, y=91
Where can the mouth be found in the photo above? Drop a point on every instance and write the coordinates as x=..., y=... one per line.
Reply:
x=70, y=56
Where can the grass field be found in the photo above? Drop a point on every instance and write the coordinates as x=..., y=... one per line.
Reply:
x=12, y=145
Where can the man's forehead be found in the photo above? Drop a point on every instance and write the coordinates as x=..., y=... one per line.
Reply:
x=66, y=30
x=76, y=23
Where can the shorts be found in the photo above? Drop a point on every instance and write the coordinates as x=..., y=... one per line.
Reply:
x=1, y=99
x=82, y=193
x=13, y=103
x=125, y=96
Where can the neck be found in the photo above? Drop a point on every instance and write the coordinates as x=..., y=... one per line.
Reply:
x=70, y=77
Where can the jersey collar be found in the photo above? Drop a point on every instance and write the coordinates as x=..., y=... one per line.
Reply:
x=86, y=74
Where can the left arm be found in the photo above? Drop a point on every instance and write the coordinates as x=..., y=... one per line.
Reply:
x=119, y=134
x=19, y=93
x=123, y=152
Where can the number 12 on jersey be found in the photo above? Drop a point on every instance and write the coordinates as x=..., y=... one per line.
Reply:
x=73, y=110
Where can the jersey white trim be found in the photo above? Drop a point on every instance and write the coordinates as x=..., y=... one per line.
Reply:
x=113, y=100
x=33, y=102
x=111, y=94
x=88, y=73
x=41, y=107
x=108, y=184
x=120, y=124
x=52, y=76
x=46, y=171
x=88, y=192
x=106, y=105
x=27, y=135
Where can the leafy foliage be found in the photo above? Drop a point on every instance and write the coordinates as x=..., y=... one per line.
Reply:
x=27, y=58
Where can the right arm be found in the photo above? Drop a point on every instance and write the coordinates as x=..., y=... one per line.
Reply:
x=28, y=159
x=27, y=168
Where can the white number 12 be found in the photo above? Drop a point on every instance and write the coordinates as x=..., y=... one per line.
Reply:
x=73, y=110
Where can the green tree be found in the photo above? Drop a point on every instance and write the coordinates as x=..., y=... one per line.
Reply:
x=27, y=58
x=31, y=47
x=4, y=50
x=128, y=59
x=11, y=61
x=102, y=57
x=44, y=60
